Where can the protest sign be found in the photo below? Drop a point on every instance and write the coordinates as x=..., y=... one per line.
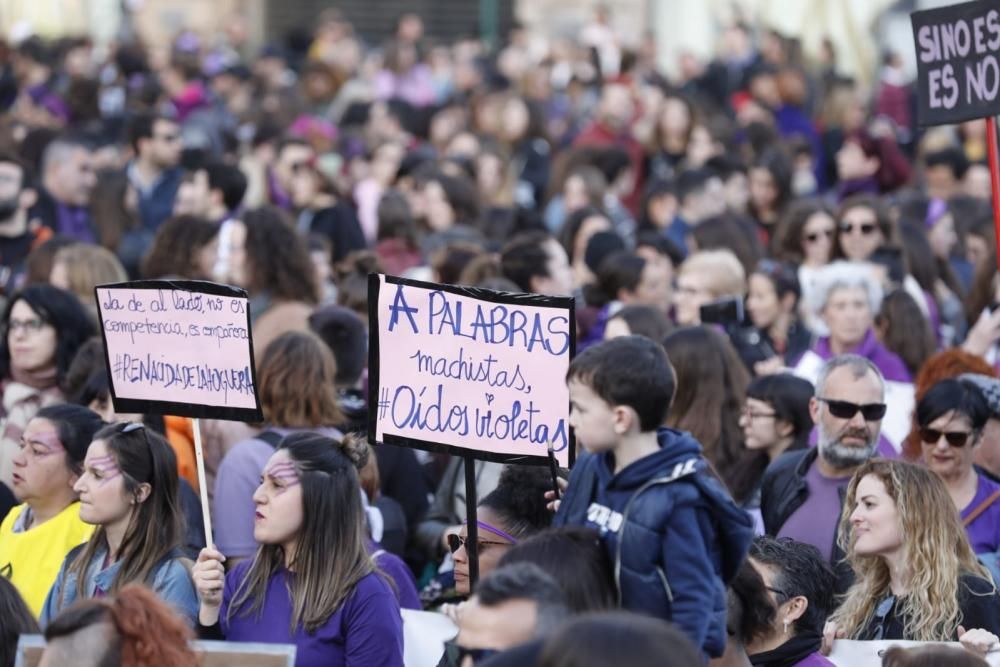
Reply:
x=471, y=371
x=958, y=62
x=179, y=348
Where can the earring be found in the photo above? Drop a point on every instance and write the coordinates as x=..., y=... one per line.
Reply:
x=786, y=626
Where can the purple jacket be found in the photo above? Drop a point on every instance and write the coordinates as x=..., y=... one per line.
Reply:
x=892, y=367
x=814, y=660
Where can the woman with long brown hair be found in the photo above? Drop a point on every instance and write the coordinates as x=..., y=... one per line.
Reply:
x=916, y=576
x=128, y=490
x=311, y=581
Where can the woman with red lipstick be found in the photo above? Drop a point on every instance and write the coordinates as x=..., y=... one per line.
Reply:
x=951, y=417
x=42, y=329
x=36, y=535
x=312, y=582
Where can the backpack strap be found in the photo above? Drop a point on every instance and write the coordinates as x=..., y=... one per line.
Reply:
x=272, y=438
x=980, y=508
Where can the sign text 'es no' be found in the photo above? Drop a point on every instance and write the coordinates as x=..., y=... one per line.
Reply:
x=470, y=371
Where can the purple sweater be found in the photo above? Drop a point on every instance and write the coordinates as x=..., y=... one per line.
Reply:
x=366, y=629
x=892, y=367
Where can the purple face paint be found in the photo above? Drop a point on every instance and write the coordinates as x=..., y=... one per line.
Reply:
x=42, y=444
x=105, y=465
x=285, y=474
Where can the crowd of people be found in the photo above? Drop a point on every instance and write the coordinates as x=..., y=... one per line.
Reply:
x=786, y=394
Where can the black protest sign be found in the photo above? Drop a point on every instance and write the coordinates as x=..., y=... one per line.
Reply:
x=180, y=348
x=958, y=62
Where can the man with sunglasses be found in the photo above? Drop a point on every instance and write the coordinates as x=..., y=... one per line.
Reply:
x=803, y=491
x=154, y=172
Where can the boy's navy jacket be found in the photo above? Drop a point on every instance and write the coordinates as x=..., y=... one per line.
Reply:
x=673, y=533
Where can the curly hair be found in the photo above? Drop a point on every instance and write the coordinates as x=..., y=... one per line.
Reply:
x=145, y=632
x=278, y=260
x=176, y=246
x=519, y=499
x=936, y=549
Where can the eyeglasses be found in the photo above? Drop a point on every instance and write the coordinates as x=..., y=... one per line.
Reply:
x=881, y=613
x=816, y=236
x=34, y=325
x=866, y=228
x=751, y=415
x=456, y=542
x=932, y=436
x=168, y=138
x=461, y=652
x=872, y=412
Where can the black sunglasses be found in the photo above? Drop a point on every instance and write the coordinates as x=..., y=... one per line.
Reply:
x=865, y=228
x=460, y=653
x=932, y=436
x=872, y=412
x=456, y=542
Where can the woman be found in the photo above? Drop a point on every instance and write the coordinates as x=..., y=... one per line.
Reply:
x=81, y=267
x=312, y=582
x=516, y=509
x=135, y=626
x=901, y=326
x=15, y=620
x=324, y=213
x=773, y=303
x=264, y=254
x=770, y=190
x=775, y=419
x=711, y=389
x=847, y=299
x=44, y=328
x=580, y=227
x=800, y=585
x=806, y=237
x=865, y=226
x=951, y=417
x=128, y=490
x=36, y=536
x=296, y=380
x=185, y=246
x=916, y=576
x=704, y=277
x=638, y=320
x=670, y=136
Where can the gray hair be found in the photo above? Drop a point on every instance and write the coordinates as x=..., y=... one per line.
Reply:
x=61, y=149
x=526, y=581
x=846, y=275
x=858, y=365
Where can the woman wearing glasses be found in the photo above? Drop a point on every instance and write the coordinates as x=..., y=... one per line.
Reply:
x=864, y=226
x=42, y=329
x=312, y=582
x=916, y=576
x=128, y=491
x=806, y=237
x=950, y=419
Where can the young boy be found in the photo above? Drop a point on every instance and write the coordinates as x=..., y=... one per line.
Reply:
x=673, y=533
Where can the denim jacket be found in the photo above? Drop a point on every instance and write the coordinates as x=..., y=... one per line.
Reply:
x=170, y=579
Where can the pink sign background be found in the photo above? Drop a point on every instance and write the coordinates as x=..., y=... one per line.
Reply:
x=178, y=346
x=470, y=373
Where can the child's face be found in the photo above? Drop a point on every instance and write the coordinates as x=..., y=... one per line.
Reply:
x=591, y=417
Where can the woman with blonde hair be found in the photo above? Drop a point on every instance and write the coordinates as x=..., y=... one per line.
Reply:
x=705, y=277
x=78, y=268
x=916, y=576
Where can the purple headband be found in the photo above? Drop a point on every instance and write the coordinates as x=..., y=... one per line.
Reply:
x=496, y=531
x=936, y=210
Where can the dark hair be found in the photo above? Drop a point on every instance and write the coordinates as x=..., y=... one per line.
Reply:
x=933, y=655
x=953, y=394
x=526, y=581
x=711, y=388
x=693, y=181
x=144, y=630
x=952, y=157
x=660, y=243
x=395, y=220
x=619, y=638
x=26, y=177
x=525, y=258
x=175, y=248
x=776, y=163
x=801, y=570
x=571, y=228
x=75, y=426
x=786, y=243
x=38, y=265
x=905, y=330
x=63, y=312
x=229, y=180
x=141, y=127
x=450, y=261
x=782, y=276
x=87, y=378
x=461, y=195
x=631, y=371
x=750, y=611
x=619, y=271
x=155, y=528
x=789, y=396
x=733, y=233
x=519, y=499
x=644, y=321
x=575, y=557
x=332, y=553
x=346, y=336
x=277, y=259
x=16, y=619
x=882, y=218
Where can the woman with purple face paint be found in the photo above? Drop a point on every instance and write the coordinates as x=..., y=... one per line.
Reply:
x=312, y=582
x=128, y=491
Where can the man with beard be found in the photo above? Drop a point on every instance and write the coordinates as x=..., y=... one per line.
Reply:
x=18, y=236
x=802, y=493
